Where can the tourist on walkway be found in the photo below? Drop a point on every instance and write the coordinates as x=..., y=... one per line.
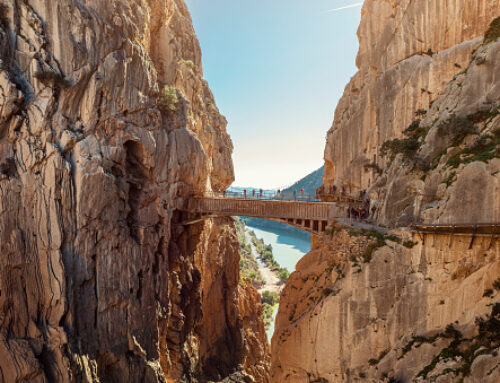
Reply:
x=279, y=193
x=374, y=209
x=302, y=193
x=260, y=193
x=245, y=193
x=253, y=192
x=294, y=194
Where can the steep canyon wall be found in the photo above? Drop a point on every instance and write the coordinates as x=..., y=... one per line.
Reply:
x=418, y=127
x=106, y=127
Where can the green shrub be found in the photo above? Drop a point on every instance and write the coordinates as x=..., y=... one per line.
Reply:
x=482, y=116
x=283, y=274
x=407, y=146
x=409, y=244
x=270, y=297
x=493, y=32
x=416, y=131
x=168, y=99
x=483, y=150
x=457, y=128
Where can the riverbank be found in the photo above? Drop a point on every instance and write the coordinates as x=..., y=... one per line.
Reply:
x=272, y=282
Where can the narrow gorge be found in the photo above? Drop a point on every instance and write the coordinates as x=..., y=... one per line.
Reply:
x=108, y=129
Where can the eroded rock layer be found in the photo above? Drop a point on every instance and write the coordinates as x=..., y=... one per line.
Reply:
x=106, y=127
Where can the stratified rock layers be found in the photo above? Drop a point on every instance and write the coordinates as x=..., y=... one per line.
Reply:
x=106, y=127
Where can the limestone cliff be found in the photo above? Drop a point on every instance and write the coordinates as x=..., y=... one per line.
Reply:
x=409, y=52
x=400, y=314
x=418, y=127
x=106, y=127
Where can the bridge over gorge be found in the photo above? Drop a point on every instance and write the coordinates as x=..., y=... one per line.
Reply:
x=300, y=210
x=313, y=214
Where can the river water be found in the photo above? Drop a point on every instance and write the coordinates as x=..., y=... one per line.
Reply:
x=288, y=249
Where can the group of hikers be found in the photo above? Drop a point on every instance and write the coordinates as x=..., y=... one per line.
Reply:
x=363, y=213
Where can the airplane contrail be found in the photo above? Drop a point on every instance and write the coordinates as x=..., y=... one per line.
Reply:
x=346, y=7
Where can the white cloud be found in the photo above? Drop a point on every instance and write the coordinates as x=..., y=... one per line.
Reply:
x=345, y=7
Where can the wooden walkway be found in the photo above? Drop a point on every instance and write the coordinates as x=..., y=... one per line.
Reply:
x=309, y=215
x=475, y=229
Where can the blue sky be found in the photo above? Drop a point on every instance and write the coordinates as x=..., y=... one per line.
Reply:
x=277, y=69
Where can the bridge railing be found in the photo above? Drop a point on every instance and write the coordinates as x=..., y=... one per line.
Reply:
x=254, y=194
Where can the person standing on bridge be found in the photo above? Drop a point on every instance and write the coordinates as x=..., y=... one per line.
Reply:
x=302, y=193
x=294, y=194
x=260, y=193
x=245, y=193
x=279, y=193
x=253, y=192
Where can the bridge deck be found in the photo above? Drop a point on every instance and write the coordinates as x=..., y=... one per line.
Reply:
x=281, y=209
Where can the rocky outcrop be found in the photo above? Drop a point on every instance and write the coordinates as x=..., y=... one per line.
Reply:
x=106, y=127
x=403, y=313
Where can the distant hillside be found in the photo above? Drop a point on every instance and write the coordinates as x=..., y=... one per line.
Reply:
x=309, y=183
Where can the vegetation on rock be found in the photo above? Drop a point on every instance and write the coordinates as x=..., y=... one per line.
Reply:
x=415, y=136
x=484, y=149
x=266, y=254
x=457, y=128
x=168, y=98
x=464, y=350
x=493, y=32
x=269, y=300
x=249, y=268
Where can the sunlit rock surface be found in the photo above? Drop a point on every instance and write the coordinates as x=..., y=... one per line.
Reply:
x=106, y=128
x=417, y=309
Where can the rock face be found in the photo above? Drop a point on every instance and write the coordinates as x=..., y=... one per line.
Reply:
x=418, y=127
x=405, y=314
x=106, y=127
x=409, y=52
